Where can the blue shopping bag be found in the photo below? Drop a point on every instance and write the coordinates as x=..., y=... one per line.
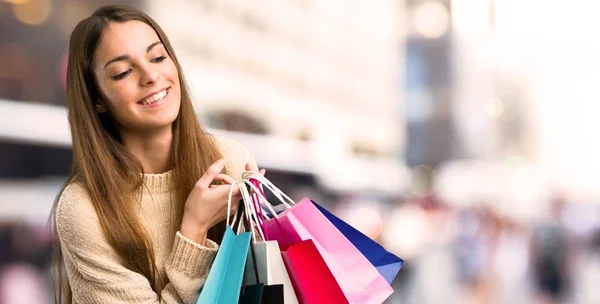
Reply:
x=225, y=277
x=224, y=280
x=387, y=264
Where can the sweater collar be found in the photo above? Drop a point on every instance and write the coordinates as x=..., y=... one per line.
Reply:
x=160, y=182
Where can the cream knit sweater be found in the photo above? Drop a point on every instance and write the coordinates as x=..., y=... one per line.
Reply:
x=97, y=274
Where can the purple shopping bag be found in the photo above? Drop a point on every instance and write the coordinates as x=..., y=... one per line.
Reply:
x=387, y=264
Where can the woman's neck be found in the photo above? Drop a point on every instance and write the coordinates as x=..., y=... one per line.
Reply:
x=153, y=150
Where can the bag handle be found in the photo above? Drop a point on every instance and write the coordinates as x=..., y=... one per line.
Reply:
x=238, y=220
x=258, y=178
x=255, y=209
x=230, y=196
x=251, y=215
x=252, y=251
x=262, y=198
x=256, y=203
x=286, y=200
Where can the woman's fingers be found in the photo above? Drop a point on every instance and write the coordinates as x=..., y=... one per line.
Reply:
x=213, y=171
x=251, y=167
x=224, y=178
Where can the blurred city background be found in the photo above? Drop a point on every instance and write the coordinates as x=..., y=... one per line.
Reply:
x=458, y=133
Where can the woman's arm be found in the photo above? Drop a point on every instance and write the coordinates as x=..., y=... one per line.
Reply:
x=96, y=273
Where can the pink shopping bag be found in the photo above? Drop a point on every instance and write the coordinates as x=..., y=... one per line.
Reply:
x=357, y=277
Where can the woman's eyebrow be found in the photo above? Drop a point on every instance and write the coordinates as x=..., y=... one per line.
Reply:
x=125, y=57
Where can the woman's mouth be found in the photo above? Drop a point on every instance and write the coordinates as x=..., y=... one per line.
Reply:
x=155, y=99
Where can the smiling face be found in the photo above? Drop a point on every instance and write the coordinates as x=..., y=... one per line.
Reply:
x=137, y=79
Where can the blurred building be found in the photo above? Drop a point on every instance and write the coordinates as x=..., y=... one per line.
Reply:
x=321, y=74
x=431, y=134
x=462, y=102
x=35, y=153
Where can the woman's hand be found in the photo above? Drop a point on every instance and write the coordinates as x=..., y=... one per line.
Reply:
x=206, y=205
x=252, y=167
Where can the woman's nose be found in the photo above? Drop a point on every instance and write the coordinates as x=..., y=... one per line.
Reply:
x=149, y=76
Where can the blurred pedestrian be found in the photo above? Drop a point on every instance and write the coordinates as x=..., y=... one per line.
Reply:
x=23, y=283
x=550, y=256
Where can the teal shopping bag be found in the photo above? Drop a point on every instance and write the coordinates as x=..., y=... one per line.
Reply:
x=225, y=277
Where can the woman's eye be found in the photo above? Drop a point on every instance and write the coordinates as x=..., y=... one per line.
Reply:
x=122, y=75
x=159, y=59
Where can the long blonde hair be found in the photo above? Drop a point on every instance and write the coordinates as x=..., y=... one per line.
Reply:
x=110, y=174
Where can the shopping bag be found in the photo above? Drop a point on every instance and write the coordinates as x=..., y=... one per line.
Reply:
x=386, y=263
x=261, y=294
x=311, y=277
x=252, y=294
x=224, y=279
x=264, y=264
x=270, y=270
x=275, y=294
x=357, y=277
x=252, y=290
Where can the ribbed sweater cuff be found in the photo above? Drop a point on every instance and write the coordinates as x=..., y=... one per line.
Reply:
x=192, y=258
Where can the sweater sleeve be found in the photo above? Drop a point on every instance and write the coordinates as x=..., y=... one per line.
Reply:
x=96, y=272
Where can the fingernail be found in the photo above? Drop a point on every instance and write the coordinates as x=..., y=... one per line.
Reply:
x=220, y=162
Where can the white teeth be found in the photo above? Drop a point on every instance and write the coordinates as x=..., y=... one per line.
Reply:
x=154, y=98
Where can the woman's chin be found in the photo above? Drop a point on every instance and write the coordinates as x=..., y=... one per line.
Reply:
x=164, y=120
x=156, y=125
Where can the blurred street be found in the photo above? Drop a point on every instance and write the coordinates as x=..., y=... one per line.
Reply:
x=457, y=133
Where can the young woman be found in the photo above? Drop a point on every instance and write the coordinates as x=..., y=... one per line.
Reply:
x=142, y=211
